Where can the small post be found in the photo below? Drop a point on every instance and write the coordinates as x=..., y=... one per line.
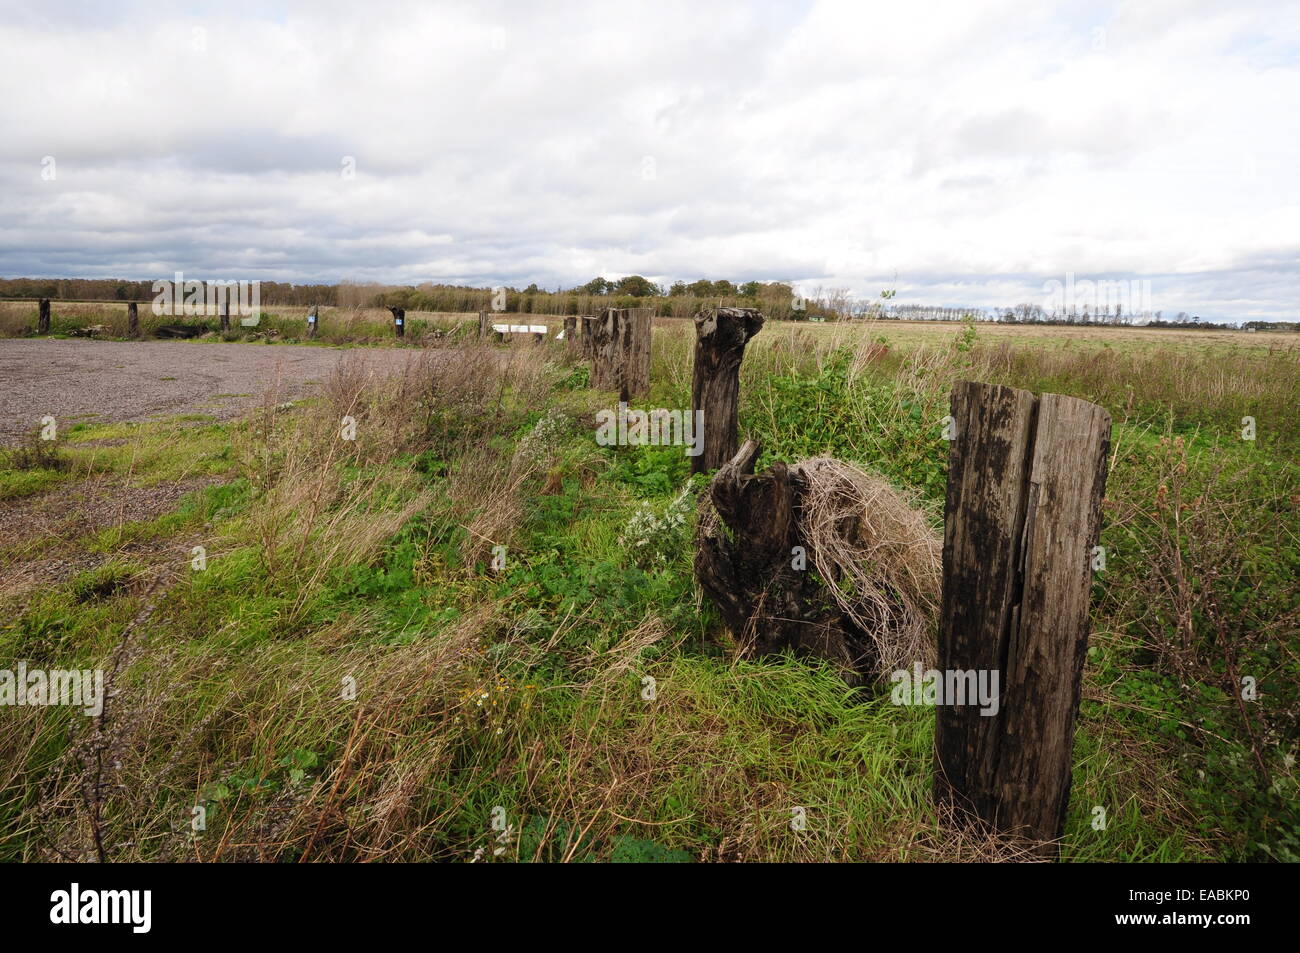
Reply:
x=482, y=325
x=225, y=315
x=1026, y=477
x=720, y=339
x=312, y=317
x=132, y=320
x=399, y=321
x=571, y=336
x=43, y=317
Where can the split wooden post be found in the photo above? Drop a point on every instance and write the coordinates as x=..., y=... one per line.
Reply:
x=1025, y=483
x=620, y=354
x=482, y=325
x=313, y=317
x=43, y=317
x=399, y=321
x=132, y=320
x=720, y=339
x=588, y=324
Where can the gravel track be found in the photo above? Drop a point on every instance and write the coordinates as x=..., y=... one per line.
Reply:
x=134, y=380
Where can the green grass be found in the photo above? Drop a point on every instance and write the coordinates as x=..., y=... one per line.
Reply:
x=243, y=683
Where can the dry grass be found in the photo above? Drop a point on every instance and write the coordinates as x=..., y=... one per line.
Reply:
x=880, y=554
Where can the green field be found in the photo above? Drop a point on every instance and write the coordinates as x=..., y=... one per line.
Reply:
x=349, y=678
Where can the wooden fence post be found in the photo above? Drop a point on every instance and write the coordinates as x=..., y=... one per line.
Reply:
x=720, y=339
x=399, y=321
x=1025, y=483
x=43, y=317
x=482, y=325
x=571, y=336
x=621, y=351
x=225, y=315
x=313, y=317
x=588, y=324
x=132, y=320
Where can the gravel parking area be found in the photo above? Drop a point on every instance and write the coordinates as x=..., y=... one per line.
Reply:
x=108, y=381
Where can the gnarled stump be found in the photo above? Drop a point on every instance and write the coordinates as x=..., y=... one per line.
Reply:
x=750, y=574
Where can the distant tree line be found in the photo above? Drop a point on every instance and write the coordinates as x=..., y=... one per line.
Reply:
x=121, y=289
x=681, y=299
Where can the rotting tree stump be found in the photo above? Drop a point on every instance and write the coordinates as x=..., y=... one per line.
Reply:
x=399, y=321
x=132, y=320
x=720, y=339
x=760, y=582
x=1025, y=483
x=620, y=351
x=43, y=316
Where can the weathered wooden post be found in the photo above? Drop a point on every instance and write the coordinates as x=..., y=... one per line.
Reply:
x=1026, y=477
x=620, y=354
x=399, y=321
x=312, y=320
x=483, y=325
x=225, y=315
x=132, y=320
x=571, y=336
x=720, y=339
x=588, y=324
x=43, y=317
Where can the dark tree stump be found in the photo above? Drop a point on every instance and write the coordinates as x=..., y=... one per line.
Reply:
x=399, y=321
x=720, y=339
x=769, y=605
x=132, y=320
x=43, y=317
x=313, y=318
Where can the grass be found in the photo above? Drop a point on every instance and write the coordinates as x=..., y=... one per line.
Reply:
x=349, y=678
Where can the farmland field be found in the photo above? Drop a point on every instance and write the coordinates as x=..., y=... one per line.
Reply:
x=322, y=650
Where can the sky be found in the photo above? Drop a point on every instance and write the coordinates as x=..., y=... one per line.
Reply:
x=961, y=153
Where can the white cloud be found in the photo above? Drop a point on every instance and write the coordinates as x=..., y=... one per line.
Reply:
x=975, y=150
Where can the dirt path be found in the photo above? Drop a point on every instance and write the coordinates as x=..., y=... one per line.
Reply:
x=104, y=381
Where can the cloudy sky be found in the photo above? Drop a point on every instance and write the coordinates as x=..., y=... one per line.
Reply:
x=962, y=152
